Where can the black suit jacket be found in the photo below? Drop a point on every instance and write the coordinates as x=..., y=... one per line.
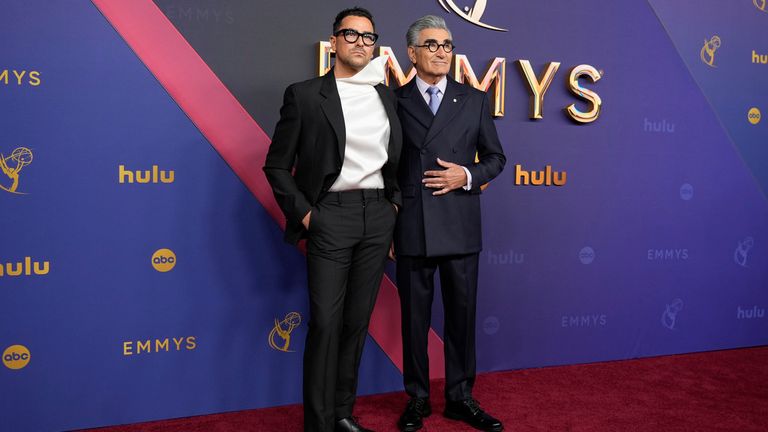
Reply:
x=449, y=224
x=307, y=148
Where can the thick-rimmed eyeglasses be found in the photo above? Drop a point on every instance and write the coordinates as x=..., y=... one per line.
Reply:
x=351, y=36
x=433, y=46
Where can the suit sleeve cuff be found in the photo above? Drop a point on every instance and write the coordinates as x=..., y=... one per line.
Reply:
x=302, y=210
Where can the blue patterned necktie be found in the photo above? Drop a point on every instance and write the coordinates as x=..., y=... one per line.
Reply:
x=434, y=100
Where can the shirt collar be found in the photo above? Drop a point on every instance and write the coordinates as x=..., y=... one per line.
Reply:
x=423, y=86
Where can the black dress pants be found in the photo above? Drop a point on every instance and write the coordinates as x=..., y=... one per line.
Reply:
x=350, y=234
x=416, y=286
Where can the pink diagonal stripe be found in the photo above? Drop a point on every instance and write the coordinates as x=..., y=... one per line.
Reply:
x=235, y=136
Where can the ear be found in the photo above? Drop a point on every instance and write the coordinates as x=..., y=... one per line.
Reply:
x=412, y=54
x=332, y=40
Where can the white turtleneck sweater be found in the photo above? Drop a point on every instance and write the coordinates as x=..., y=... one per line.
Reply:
x=367, y=127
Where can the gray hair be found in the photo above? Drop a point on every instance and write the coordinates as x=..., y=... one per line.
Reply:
x=425, y=22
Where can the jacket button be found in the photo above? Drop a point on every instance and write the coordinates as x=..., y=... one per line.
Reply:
x=423, y=151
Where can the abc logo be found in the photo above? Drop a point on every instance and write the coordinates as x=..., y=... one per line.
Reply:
x=754, y=116
x=686, y=192
x=491, y=325
x=16, y=357
x=586, y=255
x=164, y=260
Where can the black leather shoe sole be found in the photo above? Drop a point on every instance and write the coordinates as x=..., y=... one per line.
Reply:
x=411, y=428
x=455, y=416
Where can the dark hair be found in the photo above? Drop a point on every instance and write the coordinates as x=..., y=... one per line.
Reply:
x=355, y=11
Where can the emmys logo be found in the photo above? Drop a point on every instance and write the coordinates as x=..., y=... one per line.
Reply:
x=16, y=357
x=754, y=116
x=27, y=268
x=493, y=81
x=593, y=320
x=667, y=254
x=163, y=260
x=742, y=251
x=12, y=166
x=159, y=345
x=200, y=15
x=472, y=14
x=760, y=4
x=669, y=316
x=32, y=78
x=282, y=330
x=708, y=50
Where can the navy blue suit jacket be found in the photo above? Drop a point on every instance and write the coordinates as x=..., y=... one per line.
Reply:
x=463, y=127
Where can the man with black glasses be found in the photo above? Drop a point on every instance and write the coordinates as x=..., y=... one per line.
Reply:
x=445, y=125
x=332, y=166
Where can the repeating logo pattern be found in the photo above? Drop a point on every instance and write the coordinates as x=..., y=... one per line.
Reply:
x=686, y=192
x=472, y=14
x=669, y=316
x=154, y=175
x=25, y=268
x=10, y=77
x=150, y=346
x=750, y=313
x=163, y=260
x=660, y=126
x=708, y=50
x=12, y=166
x=280, y=336
x=16, y=357
x=491, y=325
x=586, y=255
x=741, y=253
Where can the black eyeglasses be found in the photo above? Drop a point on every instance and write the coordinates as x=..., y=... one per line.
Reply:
x=433, y=46
x=351, y=36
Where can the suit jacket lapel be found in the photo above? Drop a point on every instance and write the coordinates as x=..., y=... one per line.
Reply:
x=413, y=102
x=331, y=107
x=453, y=100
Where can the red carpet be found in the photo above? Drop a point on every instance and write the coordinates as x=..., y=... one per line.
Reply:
x=715, y=391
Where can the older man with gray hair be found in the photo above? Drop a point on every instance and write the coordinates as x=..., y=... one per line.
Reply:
x=445, y=124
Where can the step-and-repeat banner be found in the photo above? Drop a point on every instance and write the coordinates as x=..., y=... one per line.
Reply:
x=142, y=269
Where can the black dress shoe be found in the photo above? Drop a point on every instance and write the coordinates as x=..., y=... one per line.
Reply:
x=470, y=413
x=350, y=424
x=416, y=409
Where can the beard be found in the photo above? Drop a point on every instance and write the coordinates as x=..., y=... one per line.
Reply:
x=354, y=61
